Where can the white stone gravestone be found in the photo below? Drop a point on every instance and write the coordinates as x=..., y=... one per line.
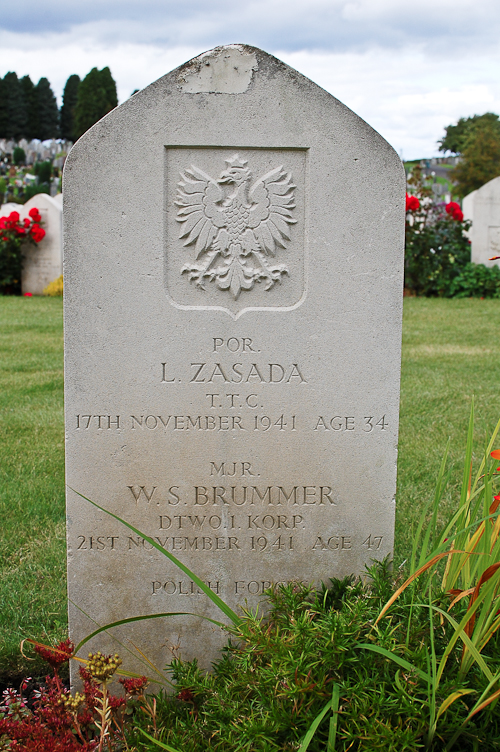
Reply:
x=43, y=262
x=483, y=208
x=233, y=294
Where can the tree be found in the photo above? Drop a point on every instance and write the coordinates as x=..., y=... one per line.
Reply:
x=480, y=157
x=96, y=97
x=67, y=113
x=457, y=135
x=4, y=114
x=31, y=102
x=48, y=113
x=14, y=118
x=109, y=86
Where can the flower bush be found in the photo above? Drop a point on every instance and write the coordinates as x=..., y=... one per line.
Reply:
x=13, y=233
x=436, y=246
x=53, y=720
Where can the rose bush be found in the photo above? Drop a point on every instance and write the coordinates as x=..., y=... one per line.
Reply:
x=436, y=248
x=13, y=234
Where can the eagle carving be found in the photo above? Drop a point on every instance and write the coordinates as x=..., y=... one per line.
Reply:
x=235, y=228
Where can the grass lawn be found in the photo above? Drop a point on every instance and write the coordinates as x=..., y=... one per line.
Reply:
x=450, y=352
x=32, y=565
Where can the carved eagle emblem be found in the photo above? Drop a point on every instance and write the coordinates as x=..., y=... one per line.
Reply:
x=235, y=226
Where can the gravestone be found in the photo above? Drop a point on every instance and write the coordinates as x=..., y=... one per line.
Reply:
x=483, y=208
x=233, y=295
x=43, y=262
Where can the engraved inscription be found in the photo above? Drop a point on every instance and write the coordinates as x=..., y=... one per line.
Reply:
x=235, y=227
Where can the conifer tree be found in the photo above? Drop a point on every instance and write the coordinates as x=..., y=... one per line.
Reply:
x=96, y=97
x=67, y=113
x=4, y=114
x=31, y=102
x=16, y=115
x=48, y=113
x=109, y=87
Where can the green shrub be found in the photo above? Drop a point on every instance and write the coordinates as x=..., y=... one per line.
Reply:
x=34, y=190
x=43, y=170
x=476, y=281
x=19, y=156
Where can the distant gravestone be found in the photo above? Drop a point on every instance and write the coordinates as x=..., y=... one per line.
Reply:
x=483, y=208
x=233, y=295
x=43, y=262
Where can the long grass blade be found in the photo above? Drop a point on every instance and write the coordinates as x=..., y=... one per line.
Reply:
x=332, y=731
x=144, y=617
x=460, y=634
x=158, y=743
x=451, y=699
x=480, y=705
x=484, y=704
x=397, y=659
x=147, y=662
x=216, y=600
x=431, y=528
x=486, y=455
x=313, y=727
x=413, y=577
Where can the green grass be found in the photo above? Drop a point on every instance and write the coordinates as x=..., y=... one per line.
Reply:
x=32, y=564
x=451, y=351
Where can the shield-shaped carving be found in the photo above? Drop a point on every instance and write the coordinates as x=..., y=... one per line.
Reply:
x=235, y=228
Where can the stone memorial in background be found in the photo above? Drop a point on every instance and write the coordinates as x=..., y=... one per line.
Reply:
x=483, y=208
x=233, y=294
x=43, y=262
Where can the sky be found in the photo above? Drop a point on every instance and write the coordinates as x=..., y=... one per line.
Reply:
x=408, y=68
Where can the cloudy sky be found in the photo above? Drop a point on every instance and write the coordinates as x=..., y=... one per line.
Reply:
x=408, y=68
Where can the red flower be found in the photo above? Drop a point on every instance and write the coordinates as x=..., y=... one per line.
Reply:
x=27, y=222
x=496, y=454
x=134, y=686
x=13, y=216
x=28, y=294
x=412, y=203
x=60, y=653
x=37, y=233
x=458, y=215
x=35, y=214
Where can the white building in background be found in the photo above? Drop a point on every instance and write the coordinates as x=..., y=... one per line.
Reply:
x=482, y=207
